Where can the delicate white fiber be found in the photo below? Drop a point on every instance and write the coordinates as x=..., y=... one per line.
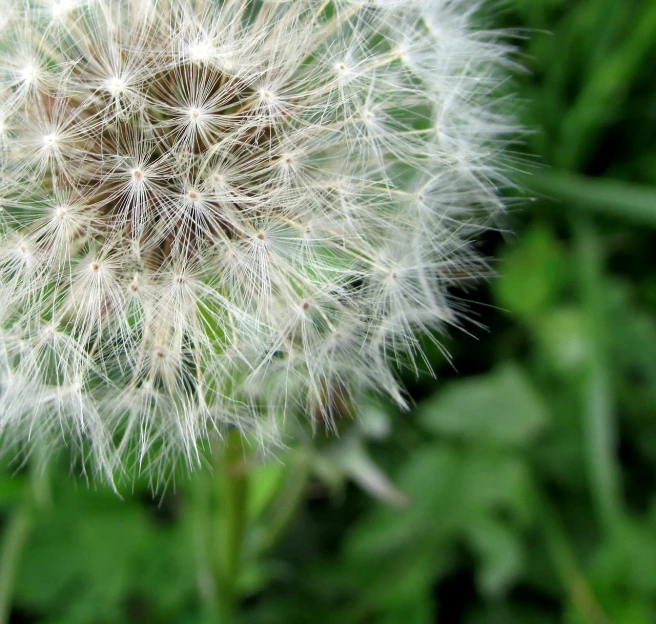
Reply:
x=220, y=214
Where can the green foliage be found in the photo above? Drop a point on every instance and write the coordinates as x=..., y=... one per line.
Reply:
x=95, y=555
x=521, y=490
x=499, y=408
x=534, y=272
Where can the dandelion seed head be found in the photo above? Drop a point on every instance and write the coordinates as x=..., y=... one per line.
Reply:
x=218, y=215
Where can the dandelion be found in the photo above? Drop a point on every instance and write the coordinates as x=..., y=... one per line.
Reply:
x=222, y=215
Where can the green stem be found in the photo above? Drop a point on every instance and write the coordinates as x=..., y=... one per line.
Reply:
x=13, y=543
x=233, y=489
x=217, y=517
x=286, y=504
x=35, y=495
x=200, y=519
x=566, y=566
x=598, y=416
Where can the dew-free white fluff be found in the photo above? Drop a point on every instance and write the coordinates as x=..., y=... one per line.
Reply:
x=224, y=213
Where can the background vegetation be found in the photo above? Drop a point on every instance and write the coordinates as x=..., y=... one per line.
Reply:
x=524, y=481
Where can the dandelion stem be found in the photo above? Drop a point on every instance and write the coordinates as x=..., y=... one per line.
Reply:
x=233, y=491
x=200, y=518
x=17, y=532
x=287, y=503
x=13, y=542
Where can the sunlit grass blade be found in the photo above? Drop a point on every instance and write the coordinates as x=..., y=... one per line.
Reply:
x=621, y=200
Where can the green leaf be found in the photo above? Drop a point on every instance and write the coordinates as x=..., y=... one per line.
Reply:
x=457, y=496
x=499, y=549
x=532, y=274
x=563, y=339
x=626, y=560
x=93, y=555
x=263, y=483
x=354, y=460
x=501, y=407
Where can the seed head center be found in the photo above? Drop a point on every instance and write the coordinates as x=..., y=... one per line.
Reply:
x=201, y=51
x=28, y=75
x=116, y=85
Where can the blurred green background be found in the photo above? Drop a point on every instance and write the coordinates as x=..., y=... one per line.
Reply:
x=521, y=489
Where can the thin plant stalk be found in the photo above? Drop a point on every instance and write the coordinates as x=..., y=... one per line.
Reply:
x=233, y=488
x=14, y=540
